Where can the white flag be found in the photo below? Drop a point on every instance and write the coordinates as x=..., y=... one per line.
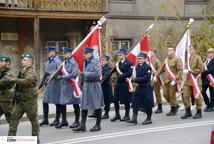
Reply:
x=182, y=49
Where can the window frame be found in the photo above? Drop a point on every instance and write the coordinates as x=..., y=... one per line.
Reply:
x=57, y=43
x=120, y=40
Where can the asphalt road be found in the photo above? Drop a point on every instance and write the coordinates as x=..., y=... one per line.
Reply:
x=164, y=130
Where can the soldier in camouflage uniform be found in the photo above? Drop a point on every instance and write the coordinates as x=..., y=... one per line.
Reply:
x=6, y=85
x=26, y=100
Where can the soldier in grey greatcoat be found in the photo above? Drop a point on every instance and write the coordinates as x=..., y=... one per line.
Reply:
x=92, y=94
x=69, y=91
x=52, y=90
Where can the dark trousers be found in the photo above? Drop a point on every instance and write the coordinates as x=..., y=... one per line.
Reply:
x=208, y=102
x=117, y=107
x=46, y=110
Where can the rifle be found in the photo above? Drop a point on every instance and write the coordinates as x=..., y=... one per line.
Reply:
x=114, y=67
x=17, y=94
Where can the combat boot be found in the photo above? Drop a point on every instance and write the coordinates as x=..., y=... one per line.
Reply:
x=44, y=122
x=187, y=114
x=159, y=109
x=172, y=111
x=82, y=127
x=126, y=117
x=117, y=116
x=76, y=122
x=134, y=118
x=198, y=114
x=148, y=120
x=97, y=126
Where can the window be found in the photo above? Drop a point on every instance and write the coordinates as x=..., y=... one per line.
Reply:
x=196, y=1
x=58, y=44
x=120, y=43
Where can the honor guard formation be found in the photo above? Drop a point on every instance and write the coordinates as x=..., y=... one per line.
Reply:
x=88, y=86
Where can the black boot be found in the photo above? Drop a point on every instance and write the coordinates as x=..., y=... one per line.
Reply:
x=64, y=122
x=172, y=111
x=56, y=121
x=77, y=116
x=117, y=115
x=45, y=118
x=187, y=114
x=198, y=114
x=93, y=115
x=98, y=121
x=106, y=116
x=148, y=119
x=82, y=127
x=126, y=117
x=134, y=118
x=177, y=108
x=159, y=109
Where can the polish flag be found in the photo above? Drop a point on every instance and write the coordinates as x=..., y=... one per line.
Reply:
x=141, y=46
x=91, y=40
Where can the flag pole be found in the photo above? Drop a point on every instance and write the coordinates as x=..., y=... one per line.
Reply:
x=99, y=23
x=191, y=20
x=141, y=37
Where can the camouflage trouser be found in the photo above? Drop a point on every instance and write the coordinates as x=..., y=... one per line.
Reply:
x=169, y=92
x=188, y=91
x=156, y=87
x=30, y=108
x=6, y=109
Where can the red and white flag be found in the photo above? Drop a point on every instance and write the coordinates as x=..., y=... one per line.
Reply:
x=141, y=46
x=91, y=40
x=182, y=51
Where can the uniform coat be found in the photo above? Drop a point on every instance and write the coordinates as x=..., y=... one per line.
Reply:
x=53, y=89
x=67, y=95
x=143, y=96
x=121, y=91
x=106, y=86
x=92, y=94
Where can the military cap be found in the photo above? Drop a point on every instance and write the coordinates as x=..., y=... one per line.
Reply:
x=66, y=50
x=105, y=57
x=88, y=50
x=50, y=48
x=122, y=51
x=28, y=55
x=142, y=55
x=5, y=58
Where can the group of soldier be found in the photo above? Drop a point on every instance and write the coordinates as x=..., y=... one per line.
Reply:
x=96, y=89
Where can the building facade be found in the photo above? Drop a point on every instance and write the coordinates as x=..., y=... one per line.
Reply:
x=30, y=25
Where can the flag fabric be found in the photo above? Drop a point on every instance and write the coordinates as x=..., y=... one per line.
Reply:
x=182, y=52
x=182, y=49
x=91, y=40
x=142, y=46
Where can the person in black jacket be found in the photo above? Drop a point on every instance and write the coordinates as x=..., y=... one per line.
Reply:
x=106, y=86
x=122, y=95
x=143, y=96
x=206, y=83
